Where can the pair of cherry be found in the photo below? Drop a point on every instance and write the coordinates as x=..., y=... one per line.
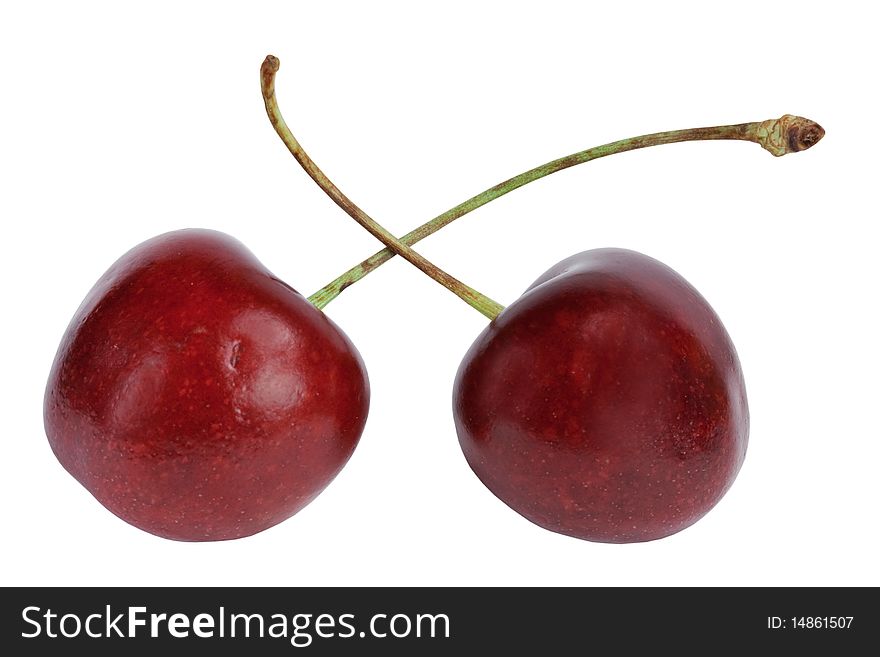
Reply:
x=198, y=397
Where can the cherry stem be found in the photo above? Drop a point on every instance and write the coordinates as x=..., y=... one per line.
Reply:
x=787, y=134
x=481, y=302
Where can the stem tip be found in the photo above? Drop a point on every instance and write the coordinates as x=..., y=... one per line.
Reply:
x=267, y=74
x=789, y=134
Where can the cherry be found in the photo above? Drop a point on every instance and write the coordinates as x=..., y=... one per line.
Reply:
x=198, y=397
x=607, y=403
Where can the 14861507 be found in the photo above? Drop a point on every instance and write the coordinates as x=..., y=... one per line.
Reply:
x=810, y=622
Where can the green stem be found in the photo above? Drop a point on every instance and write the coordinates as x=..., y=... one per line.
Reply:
x=477, y=300
x=787, y=134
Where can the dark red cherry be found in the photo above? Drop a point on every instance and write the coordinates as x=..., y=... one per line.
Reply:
x=606, y=403
x=200, y=398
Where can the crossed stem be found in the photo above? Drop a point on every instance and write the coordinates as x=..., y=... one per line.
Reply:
x=479, y=301
x=787, y=134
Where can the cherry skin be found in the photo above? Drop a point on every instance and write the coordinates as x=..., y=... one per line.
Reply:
x=198, y=397
x=606, y=403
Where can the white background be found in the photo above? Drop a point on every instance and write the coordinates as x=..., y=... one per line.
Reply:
x=121, y=121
